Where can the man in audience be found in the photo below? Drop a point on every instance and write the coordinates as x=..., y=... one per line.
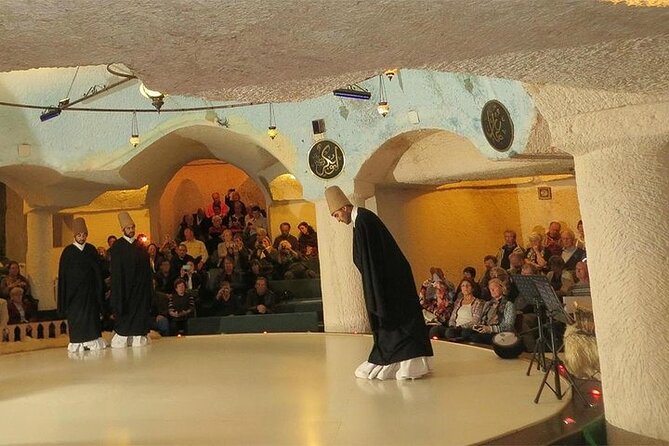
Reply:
x=225, y=303
x=164, y=277
x=132, y=288
x=80, y=291
x=19, y=309
x=285, y=235
x=570, y=253
x=517, y=261
x=180, y=258
x=510, y=246
x=553, y=243
x=260, y=299
x=195, y=248
x=489, y=262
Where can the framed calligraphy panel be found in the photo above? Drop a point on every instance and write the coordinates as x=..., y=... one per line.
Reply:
x=326, y=159
x=497, y=125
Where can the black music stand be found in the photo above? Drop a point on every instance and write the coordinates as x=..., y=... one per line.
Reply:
x=527, y=288
x=554, y=311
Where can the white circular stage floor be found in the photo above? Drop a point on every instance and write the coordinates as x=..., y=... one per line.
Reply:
x=273, y=389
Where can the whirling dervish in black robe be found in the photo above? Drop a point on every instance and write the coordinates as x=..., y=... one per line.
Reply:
x=401, y=340
x=131, y=288
x=80, y=289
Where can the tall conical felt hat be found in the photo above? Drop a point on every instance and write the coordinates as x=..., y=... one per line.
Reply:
x=125, y=219
x=336, y=199
x=79, y=226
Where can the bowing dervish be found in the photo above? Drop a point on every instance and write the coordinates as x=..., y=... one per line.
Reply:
x=131, y=288
x=80, y=289
x=402, y=348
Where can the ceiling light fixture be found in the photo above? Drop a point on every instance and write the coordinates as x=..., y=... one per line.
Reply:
x=390, y=74
x=383, y=108
x=157, y=98
x=271, y=130
x=352, y=92
x=134, y=136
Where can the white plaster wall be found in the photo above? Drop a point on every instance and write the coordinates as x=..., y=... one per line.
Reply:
x=624, y=193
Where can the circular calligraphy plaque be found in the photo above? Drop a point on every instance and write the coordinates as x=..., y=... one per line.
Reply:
x=326, y=159
x=497, y=125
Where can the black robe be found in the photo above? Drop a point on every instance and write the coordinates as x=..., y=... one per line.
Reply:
x=131, y=288
x=392, y=303
x=80, y=292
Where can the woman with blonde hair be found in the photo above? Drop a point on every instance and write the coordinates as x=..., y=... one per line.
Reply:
x=498, y=315
x=536, y=254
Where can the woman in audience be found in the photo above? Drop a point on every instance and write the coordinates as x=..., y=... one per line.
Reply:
x=19, y=308
x=470, y=273
x=235, y=220
x=580, y=235
x=307, y=238
x=582, y=285
x=181, y=307
x=561, y=280
x=536, y=255
x=225, y=304
x=510, y=289
x=498, y=315
x=434, y=298
x=265, y=253
x=466, y=313
x=215, y=232
x=225, y=248
x=154, y=257
x=14, y=279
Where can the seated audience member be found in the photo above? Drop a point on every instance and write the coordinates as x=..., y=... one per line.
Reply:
x=582, y=285
x=256, y=218
x=536, y=255
x=570, y=253
x=231, y=199
x=202, y=223
x=470, y=273
x=103, y=259
x=510, y=289
x=489, y=262
x=498, y=315
x=289, y=264
x=4, y=317
x=466, y=313
x=561, y=280
x=285, y=235
x=13, y=279
x=181, y=307
x=257, y=268
x=434, y=298
x=187, y=222
x=516, y=260
x=154, y=257
x=553, y=242
x=312, y=261
x=20, y=309
x=179, y=259
x=160, y=312
x=235, y=220
x=190, y=276
x=510, y=246
x=580, y=235
x=215, y=233
x=216, y=207
x=307, y=238
x=260, y=299
x=225, y=304
x=225, y=248
x=196, y=248
x=240, y=253
x=164, y=277
x=237, y=279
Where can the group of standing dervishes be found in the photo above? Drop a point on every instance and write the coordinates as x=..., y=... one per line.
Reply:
x=80, y=288
x=401, y=349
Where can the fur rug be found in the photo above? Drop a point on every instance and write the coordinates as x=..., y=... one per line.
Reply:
x=580, y=346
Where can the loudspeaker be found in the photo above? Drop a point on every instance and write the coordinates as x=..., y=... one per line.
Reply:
x=318, y=126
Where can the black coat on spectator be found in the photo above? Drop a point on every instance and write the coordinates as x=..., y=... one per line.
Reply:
x=80, y=292
x=132, y=288
x=253, y=300
x=228, y=307
x=392, y=304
